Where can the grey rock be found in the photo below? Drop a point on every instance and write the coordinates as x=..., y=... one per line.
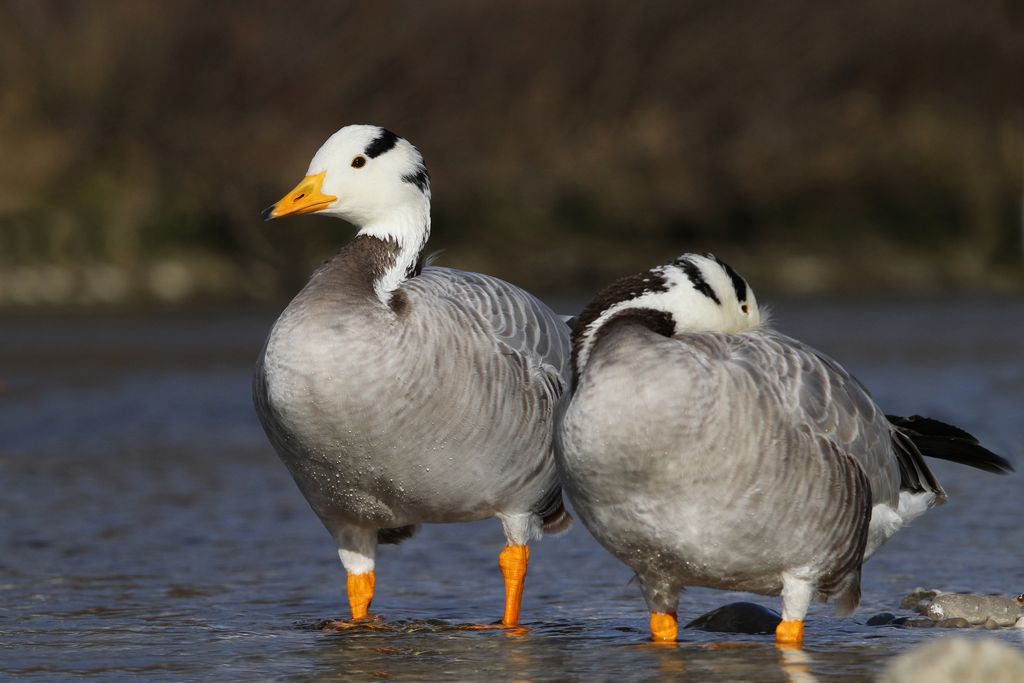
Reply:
x=881, y=619
x=737, y=617
x=919, y=599
x=1020, y=623
x=955, y=622
x=957, y=660
x=976, y=609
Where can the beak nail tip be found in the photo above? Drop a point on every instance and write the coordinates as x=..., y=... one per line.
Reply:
x=266, y=214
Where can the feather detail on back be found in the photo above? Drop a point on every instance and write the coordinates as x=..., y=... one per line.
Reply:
x=515, y=318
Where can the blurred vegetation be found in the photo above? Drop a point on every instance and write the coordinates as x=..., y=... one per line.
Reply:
x=846, y=146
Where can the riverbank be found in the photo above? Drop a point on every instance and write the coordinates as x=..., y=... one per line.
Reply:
x=778, y=270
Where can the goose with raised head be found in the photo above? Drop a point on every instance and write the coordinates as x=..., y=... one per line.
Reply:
x=399, y=393
x=703, y=448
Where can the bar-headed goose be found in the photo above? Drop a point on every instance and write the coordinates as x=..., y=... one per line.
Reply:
x=398, y=393
x=703, y=448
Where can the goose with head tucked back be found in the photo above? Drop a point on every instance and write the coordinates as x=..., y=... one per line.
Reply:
x=703, y=448
x=399, y=393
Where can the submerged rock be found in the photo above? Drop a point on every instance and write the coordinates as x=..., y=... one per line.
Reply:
x=976, y=609
x=957, y=660
x=881, y=619
x=989, y=611
x=919, y=600
x=738, y=617
x=955, y=622
x=914, y=622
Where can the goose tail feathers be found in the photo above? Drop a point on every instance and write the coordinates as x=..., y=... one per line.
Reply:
x=937, y=439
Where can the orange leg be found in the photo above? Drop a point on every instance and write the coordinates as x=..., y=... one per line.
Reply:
x=664, y=627
x=512, y=561
x=790, y=633
x=360, y=593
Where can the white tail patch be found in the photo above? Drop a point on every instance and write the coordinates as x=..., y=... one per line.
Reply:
x=885, y=521
x=913, y=505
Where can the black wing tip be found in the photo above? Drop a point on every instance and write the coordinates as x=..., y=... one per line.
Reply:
x=983, y=459
x=937, y=439
x=930, y=427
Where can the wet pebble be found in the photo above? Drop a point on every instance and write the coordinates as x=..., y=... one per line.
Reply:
x=957, y=660
x=956, y=622
x=919, y=600
x=914, y=622
x=976, y=609
x=738, y=617
x=881, y=619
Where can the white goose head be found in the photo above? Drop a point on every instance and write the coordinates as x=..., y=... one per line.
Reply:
x=368, y=176
x=693, y=293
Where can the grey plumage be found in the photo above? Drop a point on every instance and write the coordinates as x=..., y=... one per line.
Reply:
x=668, y=431
x=439, y=412
x=399, y=393
x=739, y=459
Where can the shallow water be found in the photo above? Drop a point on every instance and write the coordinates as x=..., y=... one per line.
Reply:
x=148, y=530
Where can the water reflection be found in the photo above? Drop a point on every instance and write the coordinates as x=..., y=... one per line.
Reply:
x=796, y=663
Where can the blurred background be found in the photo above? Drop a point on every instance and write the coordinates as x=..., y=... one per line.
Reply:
x=859, y=162
x=847, y=147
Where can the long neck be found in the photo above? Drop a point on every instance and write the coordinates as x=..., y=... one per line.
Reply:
x=408, y=227
x=586, y=337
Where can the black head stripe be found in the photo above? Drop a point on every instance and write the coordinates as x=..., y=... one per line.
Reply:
x=696, y=278
x=738, y=283
x=420, y=179
x=382, y=143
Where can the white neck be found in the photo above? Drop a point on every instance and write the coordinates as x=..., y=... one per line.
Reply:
x=409, y=227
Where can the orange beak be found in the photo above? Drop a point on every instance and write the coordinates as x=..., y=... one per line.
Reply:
x=305, y=198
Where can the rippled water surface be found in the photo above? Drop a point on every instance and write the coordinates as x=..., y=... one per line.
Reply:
x=148, y=530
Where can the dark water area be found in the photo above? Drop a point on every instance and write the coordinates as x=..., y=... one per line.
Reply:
x=147, y=530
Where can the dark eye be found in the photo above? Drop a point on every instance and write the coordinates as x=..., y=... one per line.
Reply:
x=359, y=161
x=745, y=308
